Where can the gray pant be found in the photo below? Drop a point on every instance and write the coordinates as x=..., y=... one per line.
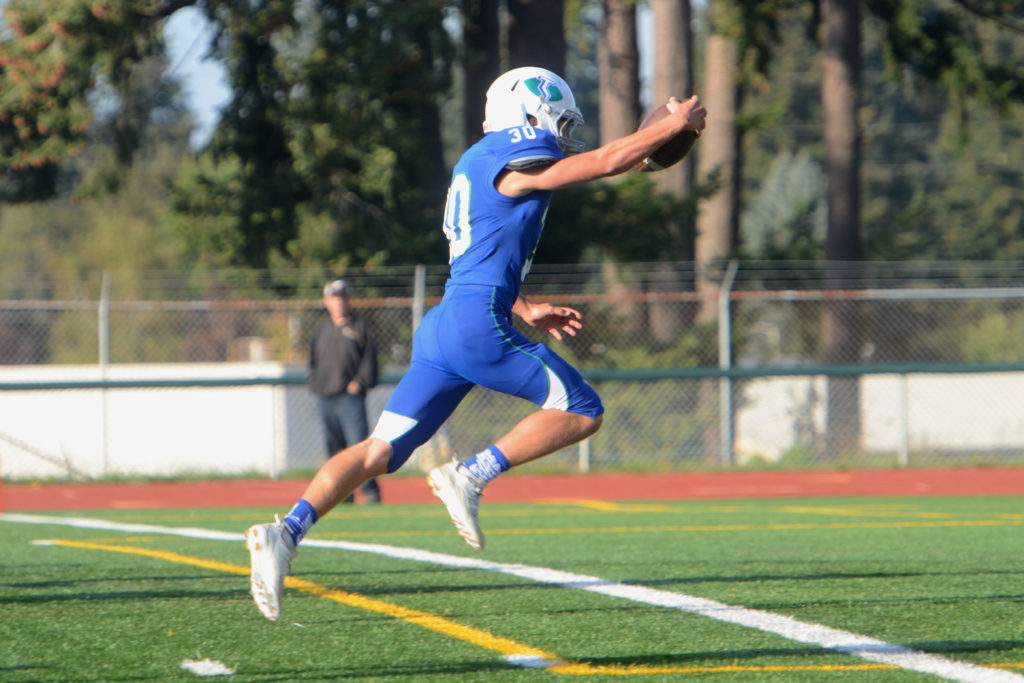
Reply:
x=343, y=417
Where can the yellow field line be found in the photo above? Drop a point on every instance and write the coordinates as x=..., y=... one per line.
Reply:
x=433, y=622
x=794, y=526
x=855, y=512
x=866, y=511
x=611, y=506
x=585, y=507
x=514, y=652
x=377, y=513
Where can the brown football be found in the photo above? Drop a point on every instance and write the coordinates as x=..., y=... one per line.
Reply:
x=670, y=153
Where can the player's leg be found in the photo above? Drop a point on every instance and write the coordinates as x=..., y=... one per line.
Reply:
x=272, y=546
x=544, y=432
x=460, y=485
x=423, y=399
x=570, y=408
x=498, y=357
x=421, y=402
x=337, y=479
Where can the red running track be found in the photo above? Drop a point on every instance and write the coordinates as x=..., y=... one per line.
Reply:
x=531, y=487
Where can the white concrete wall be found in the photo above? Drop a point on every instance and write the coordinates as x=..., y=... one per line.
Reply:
x=268, y=430
x=156, y=431
x=981, y=412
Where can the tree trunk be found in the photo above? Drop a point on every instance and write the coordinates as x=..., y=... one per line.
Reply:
x=717, y=216
x=536, y=34
x=720, y=156
x=619, y=100
x=840, y=94
x=673, y=76
x=481, y=62
x=619, y=62
x=430, y=129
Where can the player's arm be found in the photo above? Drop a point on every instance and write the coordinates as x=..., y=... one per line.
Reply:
x=554, y=319
x=610, y=159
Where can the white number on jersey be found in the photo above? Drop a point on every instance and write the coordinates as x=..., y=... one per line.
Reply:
x=517, y=134
x=456, y=217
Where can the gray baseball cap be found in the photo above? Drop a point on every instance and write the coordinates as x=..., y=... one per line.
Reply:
x=336, y=288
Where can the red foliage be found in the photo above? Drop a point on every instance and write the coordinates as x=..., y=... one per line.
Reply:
x=59, y=30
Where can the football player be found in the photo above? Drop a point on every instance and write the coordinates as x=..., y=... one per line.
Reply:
x=494, y=215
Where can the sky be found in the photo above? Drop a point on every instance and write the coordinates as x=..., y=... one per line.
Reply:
x=203, y=81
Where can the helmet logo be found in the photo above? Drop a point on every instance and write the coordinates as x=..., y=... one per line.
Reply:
x=543, y=88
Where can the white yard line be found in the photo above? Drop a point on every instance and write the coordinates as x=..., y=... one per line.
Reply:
x=838, y=640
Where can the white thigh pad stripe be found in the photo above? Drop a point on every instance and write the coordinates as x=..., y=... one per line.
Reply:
x=557, y=396
x=390, y=426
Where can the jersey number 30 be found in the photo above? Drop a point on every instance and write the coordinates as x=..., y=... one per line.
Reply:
x=456, y=217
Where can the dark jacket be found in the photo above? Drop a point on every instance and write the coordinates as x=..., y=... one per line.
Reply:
x=338, y=355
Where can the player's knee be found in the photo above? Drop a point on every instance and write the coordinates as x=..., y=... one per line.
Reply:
x=377, y=456
x=591, y=424
x=581, y=426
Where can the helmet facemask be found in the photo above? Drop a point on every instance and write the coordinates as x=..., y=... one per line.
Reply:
x=563, y=127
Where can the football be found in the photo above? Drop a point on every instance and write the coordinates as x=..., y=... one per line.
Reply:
x=670, y=153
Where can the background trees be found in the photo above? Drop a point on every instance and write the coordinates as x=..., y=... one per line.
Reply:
x=839, y=130
x=347, y=114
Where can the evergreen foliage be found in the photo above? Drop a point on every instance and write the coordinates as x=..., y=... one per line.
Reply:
x=330, y=153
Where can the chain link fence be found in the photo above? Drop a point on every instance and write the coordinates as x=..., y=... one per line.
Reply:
x=737, y=365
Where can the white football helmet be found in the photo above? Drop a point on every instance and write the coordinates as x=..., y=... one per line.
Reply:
x=532, y=91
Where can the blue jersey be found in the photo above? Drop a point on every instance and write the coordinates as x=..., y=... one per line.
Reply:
x=468, y=339
x=492, y=238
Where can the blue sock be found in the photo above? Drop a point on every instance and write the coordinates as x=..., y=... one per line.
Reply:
x=487, y=464
x=300, y=519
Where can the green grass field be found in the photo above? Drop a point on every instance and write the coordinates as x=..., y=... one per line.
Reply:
x=942, y=576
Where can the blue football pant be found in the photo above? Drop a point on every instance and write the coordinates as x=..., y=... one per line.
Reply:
x=468, y=340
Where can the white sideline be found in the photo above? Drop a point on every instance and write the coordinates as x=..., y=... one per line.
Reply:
x=846, y=642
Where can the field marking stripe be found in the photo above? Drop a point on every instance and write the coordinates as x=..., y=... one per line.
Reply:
x=786, y=526
x=514, y=652
x=837, y=640
x=791, y=526
x=433, y=622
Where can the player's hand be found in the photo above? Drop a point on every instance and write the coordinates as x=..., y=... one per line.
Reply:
x=353, y=387
x=692, y=110
x=554, y=319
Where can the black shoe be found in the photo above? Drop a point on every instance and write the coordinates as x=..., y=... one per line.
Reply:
x=370, y=492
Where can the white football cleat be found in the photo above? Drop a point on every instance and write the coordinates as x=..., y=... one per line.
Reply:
x=461, y=495
x=270, y=552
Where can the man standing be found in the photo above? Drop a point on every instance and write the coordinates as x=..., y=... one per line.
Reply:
x=342, y=367
x=497, y=202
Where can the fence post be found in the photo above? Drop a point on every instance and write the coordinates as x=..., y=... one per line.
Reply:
x=419, y=294
x=725, y=415
x=584, y=460
x=104, y=324
x=103, y=314
x=904, y=454
x=279, y=430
